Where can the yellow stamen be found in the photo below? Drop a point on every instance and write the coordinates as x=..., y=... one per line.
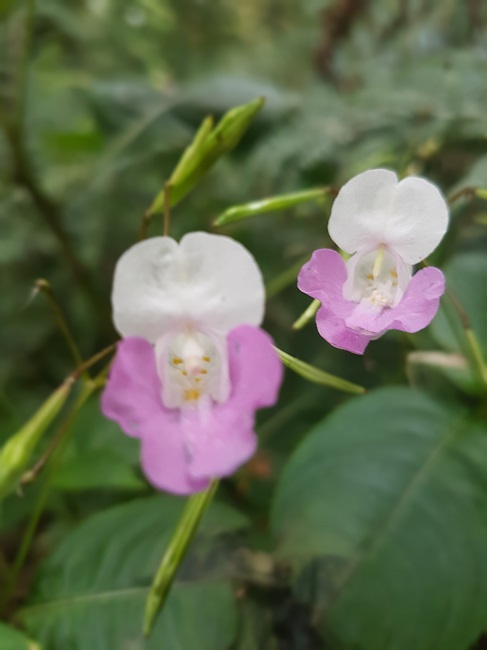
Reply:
x=369, y=276
x=176, y=361
x=184, y=372
x=378, y=261
x=394, y=274
x=204, y=372
x=206, y=359
x=191, y=395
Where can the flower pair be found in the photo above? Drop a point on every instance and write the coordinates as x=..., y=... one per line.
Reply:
x=194, y=365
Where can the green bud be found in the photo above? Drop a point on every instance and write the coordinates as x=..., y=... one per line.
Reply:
x=207, y=147
x=271, y=204
x=16, y=452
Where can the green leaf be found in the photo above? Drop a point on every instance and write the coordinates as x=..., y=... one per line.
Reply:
x=97, y=469
x=381, y=510
x=93, y=587
x=207, y=147
x=271, y=204
x=422, y=365
x=98, y=455
x=11, y=639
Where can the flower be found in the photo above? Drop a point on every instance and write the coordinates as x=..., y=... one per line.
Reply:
x=387, y=226
x=193, y=366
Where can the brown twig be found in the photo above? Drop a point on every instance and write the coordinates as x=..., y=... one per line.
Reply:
x=49, y=210
x=466, y=192
x=337, y=22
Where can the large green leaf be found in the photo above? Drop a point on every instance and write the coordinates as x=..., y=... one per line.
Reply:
x=90, y=593
x=383, y=513
x=99, y=456
x=11, y=639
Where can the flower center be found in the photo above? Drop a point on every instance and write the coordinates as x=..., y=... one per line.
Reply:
x=192, y=366
x=377, y=277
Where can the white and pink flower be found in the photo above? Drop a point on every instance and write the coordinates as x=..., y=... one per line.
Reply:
x=387, y=226
x=193, y=365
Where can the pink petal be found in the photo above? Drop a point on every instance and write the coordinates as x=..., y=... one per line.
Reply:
x=221, y=439
x=133, y=389
x=419, y=304
x=335, y=331
x=322, y=278
x=164, y=458
x=132, y=399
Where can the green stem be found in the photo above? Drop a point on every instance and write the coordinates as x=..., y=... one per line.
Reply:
x=476, y=355
x=284, y=279
x=308, y=314
x=318, y=376
x=185, y=531
x=93, y=384
x=45, y=287
x=167, y=209
x=469, y=342
x=29, y=533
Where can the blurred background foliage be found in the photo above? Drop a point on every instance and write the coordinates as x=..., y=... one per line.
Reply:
x=98, y=100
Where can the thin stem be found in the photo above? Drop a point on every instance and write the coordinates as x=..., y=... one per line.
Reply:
x=146, y=219
x=44, y=287
x=30, y=475
x=24, y=61
x=186, y=529
x=284, y=279
x=94, y=359
x=24, y=176
x=29, y=533
x=471, y=342
x=308, y=314
x=167, y=209
x=476, y=354
x=467, y=192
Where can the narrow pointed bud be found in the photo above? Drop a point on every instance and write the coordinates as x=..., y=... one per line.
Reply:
x=17, y=451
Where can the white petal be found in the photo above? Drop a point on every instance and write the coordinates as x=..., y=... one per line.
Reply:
x=410, y=217
x=360, y=210
x=209, y=280
x=418, y=221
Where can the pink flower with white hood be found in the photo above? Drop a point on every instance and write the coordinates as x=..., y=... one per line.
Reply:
x=387, y=226
x=193, y=365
